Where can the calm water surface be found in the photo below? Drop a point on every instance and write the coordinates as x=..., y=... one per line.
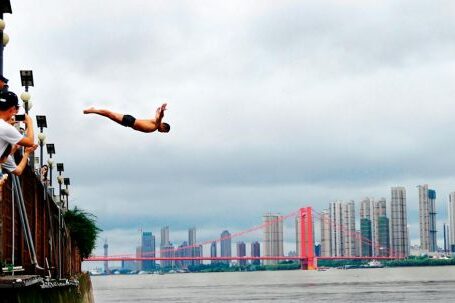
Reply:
x=416, y=284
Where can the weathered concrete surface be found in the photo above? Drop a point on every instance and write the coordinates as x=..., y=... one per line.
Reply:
x=64, y=294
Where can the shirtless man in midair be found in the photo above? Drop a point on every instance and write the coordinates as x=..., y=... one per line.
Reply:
x=142, y=125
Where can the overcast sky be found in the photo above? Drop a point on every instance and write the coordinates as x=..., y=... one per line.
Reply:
x=273, y=105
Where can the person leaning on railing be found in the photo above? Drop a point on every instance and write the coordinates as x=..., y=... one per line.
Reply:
x=10, y=164
x=17, y=169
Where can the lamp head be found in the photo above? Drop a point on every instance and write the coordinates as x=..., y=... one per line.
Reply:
x=26, y=78
x=41, y=121
x=50, y=149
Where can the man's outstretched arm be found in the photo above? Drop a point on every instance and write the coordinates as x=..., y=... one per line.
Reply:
x=29, y=139
x=20, y=167
x=160, y=113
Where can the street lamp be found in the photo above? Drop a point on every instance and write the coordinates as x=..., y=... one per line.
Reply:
x=41, y=122
x=50, y=151
x=27, y=80
x=60, y=179
x=5, y=7
x=66, y=181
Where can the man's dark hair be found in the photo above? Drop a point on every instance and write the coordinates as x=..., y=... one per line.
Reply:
x=166, y=127
x=8, y=100
x=6, y=152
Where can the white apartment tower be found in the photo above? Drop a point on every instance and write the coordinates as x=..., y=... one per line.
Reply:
x=335, y=214
x=342, y=229
x=273, y=237
x=325, y=234
x=349, y=231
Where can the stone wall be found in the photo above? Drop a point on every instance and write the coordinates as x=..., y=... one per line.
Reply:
x=43, y=213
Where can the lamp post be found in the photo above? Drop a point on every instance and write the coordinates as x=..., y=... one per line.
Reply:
x=26, y=80
x=66, y=181
x=65, y=193
x=41, y=122
x=5, y=7
x=50, y=151
x=60, y=169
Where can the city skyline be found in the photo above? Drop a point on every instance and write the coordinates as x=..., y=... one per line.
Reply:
x=387, y=231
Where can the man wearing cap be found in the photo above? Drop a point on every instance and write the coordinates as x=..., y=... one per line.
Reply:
x=9, y=135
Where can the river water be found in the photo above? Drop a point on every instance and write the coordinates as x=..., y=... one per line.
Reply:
x=403, y=284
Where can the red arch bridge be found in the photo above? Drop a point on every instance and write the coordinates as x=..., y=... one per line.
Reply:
x=306, y=256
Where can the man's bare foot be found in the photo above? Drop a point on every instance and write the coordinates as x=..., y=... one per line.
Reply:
x=90, y=110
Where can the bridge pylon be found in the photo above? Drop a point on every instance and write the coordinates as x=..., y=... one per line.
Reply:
x=308, y=260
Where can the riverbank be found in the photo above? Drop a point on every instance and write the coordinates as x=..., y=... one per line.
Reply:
x=17, y=290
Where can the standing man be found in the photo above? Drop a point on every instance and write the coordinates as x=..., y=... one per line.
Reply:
x=9, y=135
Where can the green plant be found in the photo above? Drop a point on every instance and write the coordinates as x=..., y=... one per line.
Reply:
x=83, y=230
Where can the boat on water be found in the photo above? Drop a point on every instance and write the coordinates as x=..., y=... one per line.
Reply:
x=375, y=264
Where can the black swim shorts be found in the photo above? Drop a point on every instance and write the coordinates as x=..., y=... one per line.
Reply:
x=128, y=121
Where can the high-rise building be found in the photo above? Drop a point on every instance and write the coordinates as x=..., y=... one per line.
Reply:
x=383, y=237
x=381, y=231
x=336, y=230
x=445, y=230
x=427, y=214
x=342, y=232
x=183, y=251
x=325, y=233
x=255, y=252
x=106, y=254
x=197, y=252
x=138, y=255
x=399, y=222
x=241, y=252
x=379, y=210
x=349, y=231
x=148, y=250
x=213, y=251
x=452, y=222
x=167, y=251
x=164, y=236
x=192, y=236
x=225, y=245
x=273, y=237
x=166, y=248
x=366, y=232
x=192, y=242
